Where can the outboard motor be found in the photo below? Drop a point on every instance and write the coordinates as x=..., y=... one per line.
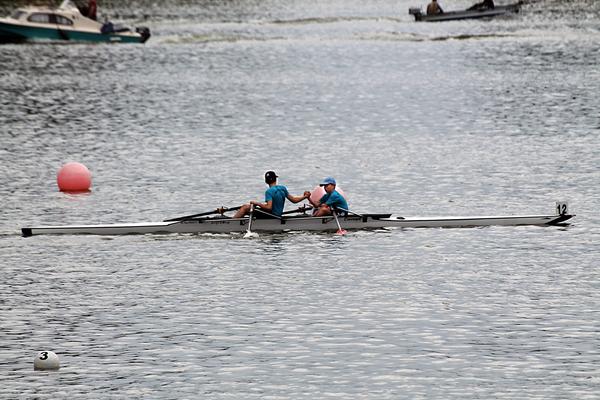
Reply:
x=107, y=27
x=414, y=11
x=144, y=33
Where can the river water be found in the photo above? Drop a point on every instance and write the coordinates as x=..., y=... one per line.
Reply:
x=459, y=118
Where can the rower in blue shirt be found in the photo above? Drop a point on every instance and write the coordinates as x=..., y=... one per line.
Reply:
x=275, y=197
x=331, y=200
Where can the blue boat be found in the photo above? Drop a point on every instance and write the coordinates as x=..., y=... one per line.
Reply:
x=65, y=23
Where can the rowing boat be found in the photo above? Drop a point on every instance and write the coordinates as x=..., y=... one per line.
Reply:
x=465, y=14
x=299, y=222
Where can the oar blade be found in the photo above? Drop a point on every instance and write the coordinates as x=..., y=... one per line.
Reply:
x=341, y=231
x=251, y=235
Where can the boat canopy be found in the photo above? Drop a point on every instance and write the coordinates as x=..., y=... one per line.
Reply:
x=49, y=18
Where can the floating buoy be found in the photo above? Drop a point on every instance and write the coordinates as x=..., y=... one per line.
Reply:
x=46, y=361
x=319, y=192
x=74, y=177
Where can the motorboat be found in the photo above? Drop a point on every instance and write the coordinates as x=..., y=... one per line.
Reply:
x=65, y=23
x=481, y=12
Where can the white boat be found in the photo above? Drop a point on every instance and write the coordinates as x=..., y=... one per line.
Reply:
x=65, y=23
x=465, y=14
x=201, y=223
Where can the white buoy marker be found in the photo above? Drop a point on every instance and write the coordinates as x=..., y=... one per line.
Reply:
x=46, y=361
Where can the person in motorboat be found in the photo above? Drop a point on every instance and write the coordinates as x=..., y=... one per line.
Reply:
x=484, y=5
x=275, y=197
x=331, y=200
x=90, y=10
x=434, y=8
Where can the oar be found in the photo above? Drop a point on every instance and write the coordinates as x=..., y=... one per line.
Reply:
x=350, y=212
x=303, y=209
x=219, y=210
x=260, y=210
x=249, y=234
x=340, y=231
x=299, y=209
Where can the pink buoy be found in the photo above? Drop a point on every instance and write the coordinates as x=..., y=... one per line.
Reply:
x=319, y=192
x=74, y=177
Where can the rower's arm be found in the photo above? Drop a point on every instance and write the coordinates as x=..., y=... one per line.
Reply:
x=297, y=199
x=268, y=206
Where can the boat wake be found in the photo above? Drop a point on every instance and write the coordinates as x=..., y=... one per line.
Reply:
x=331, y=20
x=471, y=37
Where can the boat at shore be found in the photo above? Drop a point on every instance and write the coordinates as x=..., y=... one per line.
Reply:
x=465, y=14
x=299, y=221
x=65, y=23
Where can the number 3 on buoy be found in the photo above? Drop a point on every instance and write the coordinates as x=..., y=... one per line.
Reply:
x=562, y=208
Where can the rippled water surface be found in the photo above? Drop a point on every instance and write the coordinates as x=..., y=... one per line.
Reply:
x=458, y=118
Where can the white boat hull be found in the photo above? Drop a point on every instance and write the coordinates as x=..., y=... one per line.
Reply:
x=295, y=223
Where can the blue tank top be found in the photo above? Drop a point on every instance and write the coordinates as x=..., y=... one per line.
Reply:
x=277, y=194
x=334, y=200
